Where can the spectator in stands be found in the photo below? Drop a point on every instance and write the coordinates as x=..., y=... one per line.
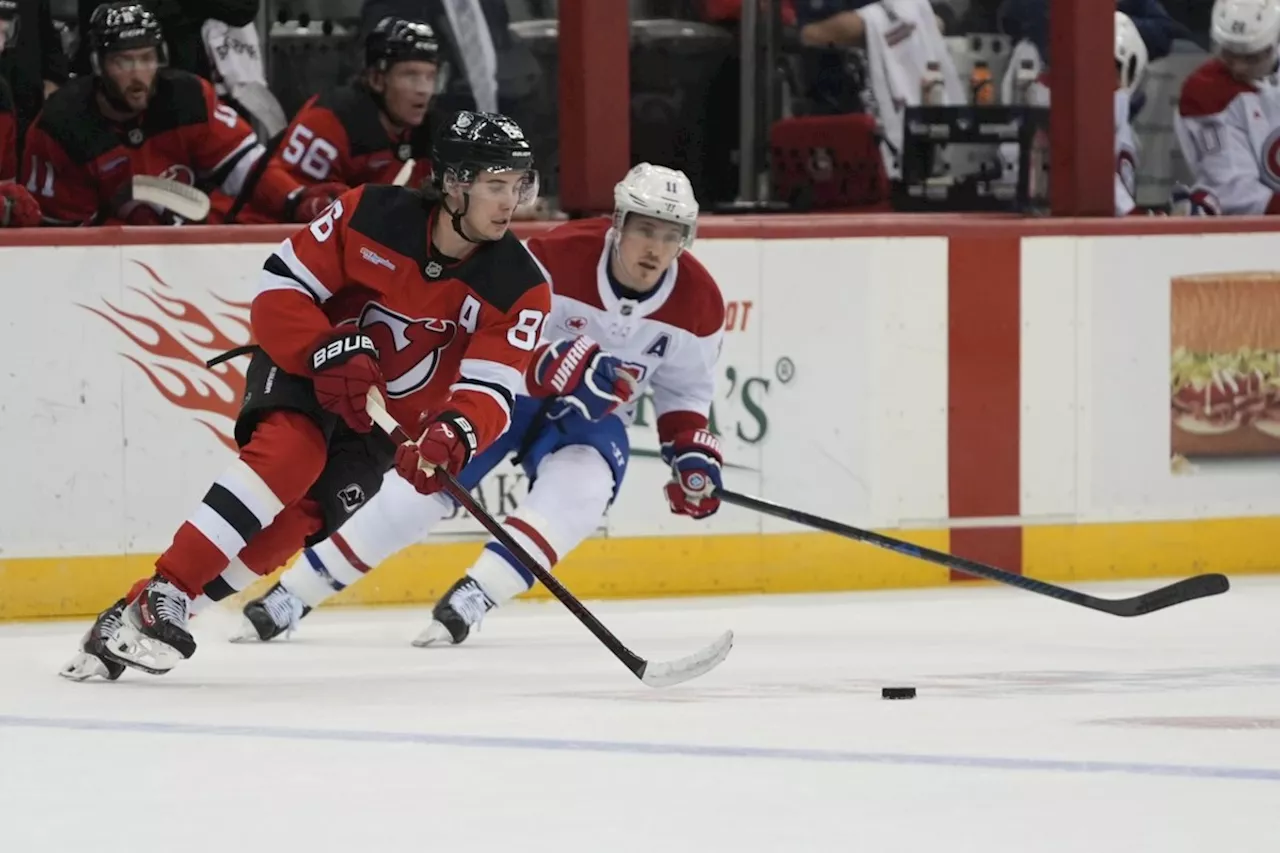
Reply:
x=181, y=20
x=32, y=60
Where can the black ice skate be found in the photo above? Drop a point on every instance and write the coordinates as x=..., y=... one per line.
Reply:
x=153, y=634
x=271, y=615
x=454, y=615
x=94, y=659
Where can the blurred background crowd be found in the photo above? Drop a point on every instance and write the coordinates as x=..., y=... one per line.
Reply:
x=820, y=70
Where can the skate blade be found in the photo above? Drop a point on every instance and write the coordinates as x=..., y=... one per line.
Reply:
x=434, y=635
x=84, y=666
x=246, y=633
x=136, y=650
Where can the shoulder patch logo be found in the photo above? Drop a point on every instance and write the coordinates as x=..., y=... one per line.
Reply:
x=575, y=324
x=659, y=346
x=374, y=258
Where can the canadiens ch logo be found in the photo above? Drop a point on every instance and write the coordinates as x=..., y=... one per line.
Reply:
x=1271, y=160
x=408, y=349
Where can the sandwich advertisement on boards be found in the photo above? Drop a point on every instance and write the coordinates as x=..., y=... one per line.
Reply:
x=1224, y=332
x=1180, y=355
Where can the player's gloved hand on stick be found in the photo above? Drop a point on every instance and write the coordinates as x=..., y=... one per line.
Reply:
x=695, y=460
x=306, y=203
x=18, y=208
x=583, y=375
x=343, y=369
x=449, y=443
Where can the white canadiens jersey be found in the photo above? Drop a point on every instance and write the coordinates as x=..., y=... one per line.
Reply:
x=1126, y=157
x=672, y=338
x=1037, y=95
x=1229, y=133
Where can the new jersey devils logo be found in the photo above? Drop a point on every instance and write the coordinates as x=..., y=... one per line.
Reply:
x=181, y=174
x=408, y=350
x=1271, y=160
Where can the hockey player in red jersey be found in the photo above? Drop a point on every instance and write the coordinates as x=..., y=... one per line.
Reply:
x=362, y=133
x=628, y=283
x=132, y=116
x=1228, y=120
x=434, y=304
x=17, y=208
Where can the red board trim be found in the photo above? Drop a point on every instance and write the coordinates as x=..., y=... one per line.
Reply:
x=780, y=227
x=983, y=420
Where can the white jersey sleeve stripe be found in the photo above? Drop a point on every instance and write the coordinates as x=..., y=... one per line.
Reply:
x=295, y=268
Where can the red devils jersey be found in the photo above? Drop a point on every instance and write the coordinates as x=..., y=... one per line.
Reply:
x=77, y=160
x=339, y=137
x=8, y=135
x=454, y=337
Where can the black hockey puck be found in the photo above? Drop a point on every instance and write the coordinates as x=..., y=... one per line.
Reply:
x=897, y=693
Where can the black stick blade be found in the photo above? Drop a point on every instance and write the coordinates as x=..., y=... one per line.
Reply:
x=1200, y=586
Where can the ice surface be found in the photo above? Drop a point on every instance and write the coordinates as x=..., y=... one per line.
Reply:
x=1039, y=727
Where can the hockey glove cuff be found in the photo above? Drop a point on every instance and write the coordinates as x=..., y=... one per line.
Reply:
x=695, y=462
x=343, y=369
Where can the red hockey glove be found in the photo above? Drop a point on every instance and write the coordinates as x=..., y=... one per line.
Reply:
x=306, y=203
x=695, y=461
x=448, y=443
x=343, y=369
x=582, y=375
x=18, y=208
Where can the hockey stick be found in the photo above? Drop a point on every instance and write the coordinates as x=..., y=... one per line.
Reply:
x=1190, y=589
x=402, y=176
x=654, y=674
x=188, y=202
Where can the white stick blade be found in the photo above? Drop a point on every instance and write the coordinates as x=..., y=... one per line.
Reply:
x=402, y=177
x=187, y=202
x=695, y=665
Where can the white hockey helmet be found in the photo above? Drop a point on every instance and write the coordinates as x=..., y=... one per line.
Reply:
x=1131, y=53
x=1245, y=26
x=658, y=192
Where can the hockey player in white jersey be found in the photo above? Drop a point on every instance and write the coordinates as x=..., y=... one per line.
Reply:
x=1131, y=66
x=627, y=282
x=1228, y=121
x=1026, y=82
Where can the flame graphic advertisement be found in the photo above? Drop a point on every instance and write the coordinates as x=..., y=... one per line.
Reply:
x=171, y=339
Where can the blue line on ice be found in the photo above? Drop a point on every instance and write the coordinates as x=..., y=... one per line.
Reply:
x=682, y=750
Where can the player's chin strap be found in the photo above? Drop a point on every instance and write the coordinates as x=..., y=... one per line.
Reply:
x=456, y=216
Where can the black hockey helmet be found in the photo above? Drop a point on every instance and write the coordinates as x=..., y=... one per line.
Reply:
x=9, y=20
x=398, y=40
x=123, y=26
x=475, y=142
